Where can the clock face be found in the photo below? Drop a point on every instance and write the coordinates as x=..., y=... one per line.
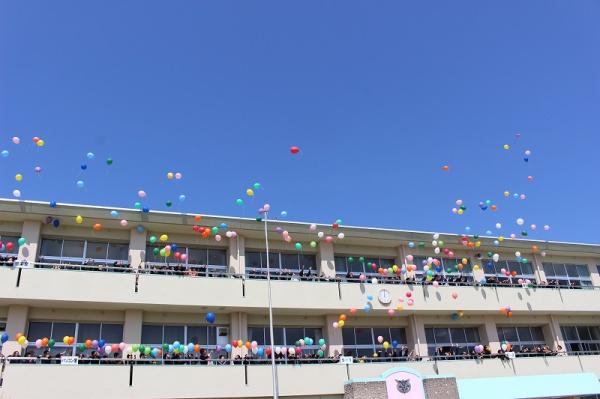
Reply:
x=385, y=297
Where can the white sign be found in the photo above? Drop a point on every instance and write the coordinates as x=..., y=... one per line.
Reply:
x=510, y=355
x=69, y=360
x=346, y=359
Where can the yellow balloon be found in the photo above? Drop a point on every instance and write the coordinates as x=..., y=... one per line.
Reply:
x=460, y=212
x=21, y=339
x=477, y=244
x=500, y=238
x=78, y=219
x=506, y=193
x=465, y=261
x=170, y=175
x=476, y=267
x=164, y=237
x=506, y=147
x=250, y=192
x=341, y=323
x=18, y=177
x=386, y=345
x=399, y=308
x=40, y=143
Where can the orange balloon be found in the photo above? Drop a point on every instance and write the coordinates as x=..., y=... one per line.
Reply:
x=445, y=168
x=44, y=342
x=88, y=343
x=509, y=314
x=513, y=273
x=97, y=227
x=248, y=345
x=196, y=348
x=494, y=207
x=343, y=317
x=197, y=218
x=71, y=340
x=19, y=335
x=535, y=248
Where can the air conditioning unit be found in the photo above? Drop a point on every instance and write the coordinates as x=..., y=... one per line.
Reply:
x=222, y=336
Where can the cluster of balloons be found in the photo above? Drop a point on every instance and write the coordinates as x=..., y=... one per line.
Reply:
x=341, y=321
x=176, y=175
x=507, y=311
x=457, y=315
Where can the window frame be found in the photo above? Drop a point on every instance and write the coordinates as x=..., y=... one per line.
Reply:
x=379, y=260
x=262, y=256
x=432, y=347
x=374, y=345
x=578, y=281
x=582, y=343
x=61, y=259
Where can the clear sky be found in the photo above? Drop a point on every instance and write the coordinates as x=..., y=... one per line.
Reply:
x=378, y=96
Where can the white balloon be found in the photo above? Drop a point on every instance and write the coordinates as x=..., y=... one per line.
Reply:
x=341, y=236
x=518, y=254
x=498, y=225
x=436, y=236
x=320, y=234
x=434, y=243
x=107, y=349
x=496, y=257
x=436, y=250
x=17, y=193
x=374, y=280
x=520, y=221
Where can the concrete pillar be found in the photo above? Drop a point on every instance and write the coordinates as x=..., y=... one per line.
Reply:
x=333, y=336
x=238, y=329
x=31, y=233
x=489, y=334
x=326, y=259
x=137, y=248
x=237, y=255
x=538, y=268
x=400, y=255
x=594, y=273
x=16, y=322
x=553, y=335
x=132, y=327
x=415, y=335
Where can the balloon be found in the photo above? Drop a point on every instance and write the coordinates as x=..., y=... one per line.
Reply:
x=21, y=241
x=250, y=192
x=386, y=344
x=16, y=140
x=4, y=153
x=16, y=193
x=218, y=237
x=298, y=246
x=90, y=155
x=320, y=234
x=40, y=143
x=294, y=150
x=66, y=340
x=380, y=339
x=123, y=223
x=546, y=227
x=122, y=346
x=506, y=147
x=454, y=295
x=341, y=236
x=284, y=214
x=114, y=214
x=97, y=226
x=18, y=177
x=80, y=183
x=101, y=343
x=445, y=168
x=170, y=175
x=139, y=228
x=312, y=227
x=109, y=161
x=181, y=198
x=520, y=221
x=313, y=244
x=168, y=204
x=239, y=201
x=329, y=239
x=164, y=237
x=211, y=317
x=38, y=343
x=529, y=178
x=4, y=337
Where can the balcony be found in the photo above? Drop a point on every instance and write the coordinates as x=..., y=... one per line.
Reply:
x=234, y=381
x=106, y=289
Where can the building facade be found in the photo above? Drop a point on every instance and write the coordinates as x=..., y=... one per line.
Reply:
x=521, y=326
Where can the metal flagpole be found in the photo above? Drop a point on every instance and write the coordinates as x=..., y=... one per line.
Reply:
x=273, y=366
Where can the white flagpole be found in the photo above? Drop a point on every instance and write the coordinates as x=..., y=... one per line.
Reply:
x=273, y=365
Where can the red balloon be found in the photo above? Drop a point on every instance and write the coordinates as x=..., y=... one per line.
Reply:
x=9, y=246
x=294, y=150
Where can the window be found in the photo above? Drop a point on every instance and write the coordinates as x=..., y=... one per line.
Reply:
x=568, y=275
x=78, y=251
x=522, y=337
x=521, y=270
x=157, y=334
x=581, y=338
x=362, y=341
x=194, y=256
x=285, y=336
x=110, y=332
x=360, y=264
x=4, y=240
x=288, y=261
x=451, y=341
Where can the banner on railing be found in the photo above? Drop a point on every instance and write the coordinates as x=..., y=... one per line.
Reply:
x=346, y=360
x=510, y=355
x=69, y=360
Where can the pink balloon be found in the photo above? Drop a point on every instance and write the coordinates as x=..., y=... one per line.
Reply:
x=122, y=346
x=391, y=312
x=16, y=140
x=37, y=169
x=183, y=257
x=178, y=176
x=123, y=223
x=218, y=238
x=362, y=277
x=267, y=207
x=142, y=194
x=313, y=227
x=409, y=258
x=329, y=239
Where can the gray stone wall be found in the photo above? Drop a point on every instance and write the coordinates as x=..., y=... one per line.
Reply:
x=365, y=390
x=440, y=388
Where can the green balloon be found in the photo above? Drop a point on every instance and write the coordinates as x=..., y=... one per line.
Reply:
x=298, y=246
x=339, y=221
x=162, y=252
x=51, y=343
x=441, y=244
x=490, y=254
x=320, y=353
x=257, y=186
x=165, y=347
x=239, y=201
x=369, y=264
x=147, y=350
x=135, y=347
x=22, y=241
x=137, y=205
x=524, y=233
x=80, y=347
x=321, y=342
x=214, y=230
x=350, y=259
x=313, y=244
x=258, y=219
x=475, y=236
x=109, y=161
x=156, y=251
x=421, y=244
x=141, y=348
x=361, y=259
x=168, y=204
x=524, y=260
x=153, y=239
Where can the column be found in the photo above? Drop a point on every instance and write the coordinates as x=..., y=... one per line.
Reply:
x=538, y=268
x=132, y=327
x=553, y=335
x=16, y=322
x=489, y=334
x=31, y=233
x=137, y=248
x=237, y=255
x=594, y=272
x=415, y=335
x=333, y=336
x=326, y=260
x=238, y=329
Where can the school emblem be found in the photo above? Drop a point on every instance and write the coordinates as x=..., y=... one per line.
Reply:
x=403, y=386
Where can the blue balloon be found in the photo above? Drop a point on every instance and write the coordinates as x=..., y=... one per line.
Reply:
x=4, y=154
x=411, y=244
x=367, y=308
x=83, y=167
x=190, y=347
x=223, y=225
x=283, y=214
x=394, y=344
x=56, y=223
x=52, y=204
x=176, y=345
x=228, y=348
x=370, y=297
x=154, y=352
x=114, y=214
x=260, y=351
x=181, y=198
x=139, y=228
x=145, y=210
x=4, y=338
x=90, y=155
x=101, y=343
x=171, y=349
x=80, y=183
x=526, y=159
x=211, y=317
x=173, y=247
x=454, y=316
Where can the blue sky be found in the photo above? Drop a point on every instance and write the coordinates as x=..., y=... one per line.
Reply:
x=378, y=96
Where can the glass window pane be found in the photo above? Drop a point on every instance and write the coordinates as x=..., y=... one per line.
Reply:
x=174, y=333
x=152, y=334
x=253, y=260
x=212, y=335
x=559, y=270
x=118, y=252
x=489, y=267
x=88, y=331
x=595, y=332
x=384, y=332
x=584, y=333
x=50, y=247
x=308, y=262
x=315, y=333
x=386, y=263
x=458, y=335
x=356, y=266
x=96, y=250
x=527, y=268
x=217, y=257
x=290, y=261
x=72, y=249
x=570, y=333
x=10, y=239
x=340, y=264
x=429, y=336
x=59, y=330
x=398, y=334
x=363, y=336
x=583, y=271
x=257, y=334
x=112, y=333
x=197, y=335
x=472, y=334
x=500, y=332
x=549, y=269
x=277, y=336
x=348, y=337
x=524, y=334
x=571, y=270
x=442, y=335
x=197, y=256
x=39, y=329
x=293, y=334
x=537, y=333
x=273, y=260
